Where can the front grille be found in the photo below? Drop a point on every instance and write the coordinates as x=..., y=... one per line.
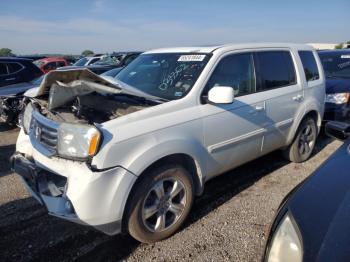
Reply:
x=44, y=131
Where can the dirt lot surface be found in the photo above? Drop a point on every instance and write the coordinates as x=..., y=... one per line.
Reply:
x=230, y=222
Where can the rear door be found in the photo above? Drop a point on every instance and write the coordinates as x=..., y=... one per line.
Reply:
x=9, y=73
x=3, y=73
x=282, y=91
x=15, y=69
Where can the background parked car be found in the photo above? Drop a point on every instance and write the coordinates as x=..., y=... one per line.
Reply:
x=313, y=223
x=108, y=62
x=336, y=64
x=50, y=63
x=17, y=75
x=17, y=70
x=88, y=60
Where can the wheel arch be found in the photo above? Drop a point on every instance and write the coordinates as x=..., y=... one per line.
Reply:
x=185, y=160
x=310, y=112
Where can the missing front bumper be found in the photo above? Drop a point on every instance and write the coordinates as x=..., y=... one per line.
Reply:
x=48, y=188
x=51, y=189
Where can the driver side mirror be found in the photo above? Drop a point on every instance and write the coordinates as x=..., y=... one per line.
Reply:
x=221, y=95
x=338, y=130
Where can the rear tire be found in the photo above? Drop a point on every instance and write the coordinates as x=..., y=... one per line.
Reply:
x=304, y=142
x=160, y=203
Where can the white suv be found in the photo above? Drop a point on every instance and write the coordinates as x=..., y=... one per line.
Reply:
x=130, y=155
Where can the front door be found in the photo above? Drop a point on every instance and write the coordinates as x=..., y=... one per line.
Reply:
x=233, y=132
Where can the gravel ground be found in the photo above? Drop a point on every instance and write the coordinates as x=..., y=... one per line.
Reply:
x=229, y=222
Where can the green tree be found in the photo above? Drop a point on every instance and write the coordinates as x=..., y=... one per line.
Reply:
x=6, y=52
x=87, y=53
x=339, y=46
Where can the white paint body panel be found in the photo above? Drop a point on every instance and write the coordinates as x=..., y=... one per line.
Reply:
x=216, y=137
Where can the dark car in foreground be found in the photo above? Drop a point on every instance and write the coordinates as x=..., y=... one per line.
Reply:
x=336, y=64
x=17, y=75
x=109, y=62
x=313, y=221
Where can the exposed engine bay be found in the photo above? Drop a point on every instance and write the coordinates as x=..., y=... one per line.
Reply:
x=90, y=108
x=80, y=96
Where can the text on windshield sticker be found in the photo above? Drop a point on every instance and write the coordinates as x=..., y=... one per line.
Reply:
x=191, y=58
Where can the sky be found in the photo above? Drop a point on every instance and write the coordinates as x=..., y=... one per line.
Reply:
x=71, y=26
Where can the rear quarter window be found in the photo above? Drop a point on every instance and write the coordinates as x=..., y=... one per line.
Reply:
x=14, y=68
x=309, y=65
x=3, y=69
x=275, y=69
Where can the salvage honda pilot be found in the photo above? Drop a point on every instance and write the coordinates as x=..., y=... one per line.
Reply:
x=129, y=154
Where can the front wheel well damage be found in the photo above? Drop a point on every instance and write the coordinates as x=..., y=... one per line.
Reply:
x=183, y=160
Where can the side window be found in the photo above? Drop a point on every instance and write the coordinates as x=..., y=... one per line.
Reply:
x=14, y=67
x=93, y=61
x=60, y=63
x=3, y=69
x=50, y=66
x=309, y=64
x=236, y=71
x=275, y=69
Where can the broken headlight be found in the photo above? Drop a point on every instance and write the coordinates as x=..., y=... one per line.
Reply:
x=77, y=141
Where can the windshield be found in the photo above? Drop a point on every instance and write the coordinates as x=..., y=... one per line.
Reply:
x=336, y=65
x=169, y=76
x=109, y=60
x=38, y=63
x=81, y=62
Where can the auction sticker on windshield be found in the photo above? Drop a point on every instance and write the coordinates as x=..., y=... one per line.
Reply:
x=191, y=58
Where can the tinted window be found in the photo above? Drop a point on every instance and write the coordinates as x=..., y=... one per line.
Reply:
x=309, y=64
x=236, y=71
x=81, y=62
x=336, y=64
x=3, y=69
x=14, y=67
x=275, y=69
x=93, y=60
x=61, y=63
x=50, y=66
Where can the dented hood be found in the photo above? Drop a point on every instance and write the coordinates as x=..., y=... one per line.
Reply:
x=65, y=85
x=69, y=77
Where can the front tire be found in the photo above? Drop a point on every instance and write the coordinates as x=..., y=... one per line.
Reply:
x=160, y=203
x=304, y=142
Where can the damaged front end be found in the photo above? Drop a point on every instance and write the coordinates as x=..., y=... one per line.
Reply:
x=63, y=115
x=61, y=133
x=10, y=108
x=80, y=96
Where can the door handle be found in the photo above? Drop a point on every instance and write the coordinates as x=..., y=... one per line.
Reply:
x=257, y=109
x=298, y=98
x=10, y=79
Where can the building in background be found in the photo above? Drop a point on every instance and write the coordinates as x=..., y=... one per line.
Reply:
x=323, y=46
